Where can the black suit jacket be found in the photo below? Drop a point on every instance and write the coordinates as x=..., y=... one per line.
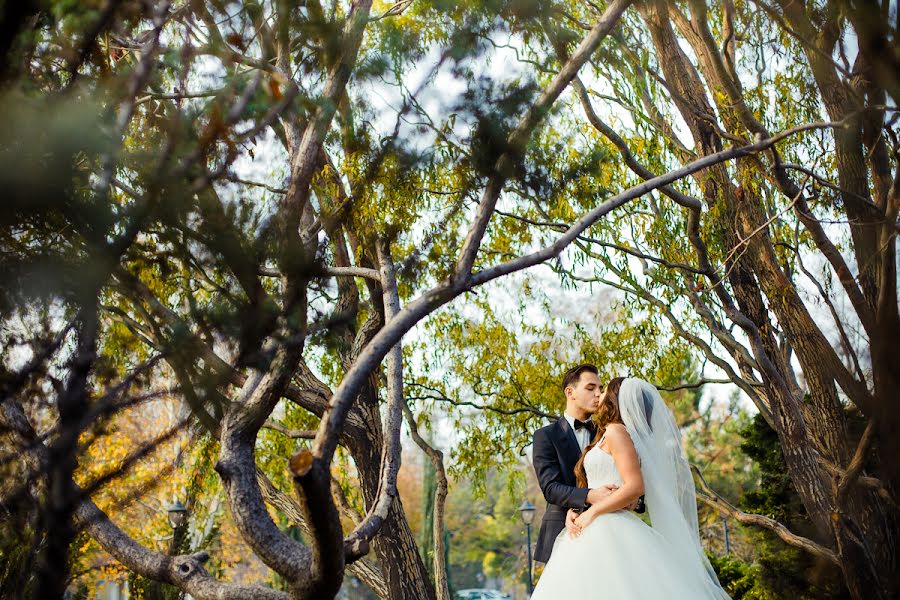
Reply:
x=555, y=453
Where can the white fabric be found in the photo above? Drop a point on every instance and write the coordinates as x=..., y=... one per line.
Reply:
x=618, y=555
x=583, y=436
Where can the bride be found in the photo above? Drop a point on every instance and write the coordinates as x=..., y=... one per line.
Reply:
x=610, y=552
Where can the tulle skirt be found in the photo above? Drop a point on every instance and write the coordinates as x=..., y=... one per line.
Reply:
x=619, y=557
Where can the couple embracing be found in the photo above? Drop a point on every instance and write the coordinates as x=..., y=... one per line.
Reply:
x=616, y=449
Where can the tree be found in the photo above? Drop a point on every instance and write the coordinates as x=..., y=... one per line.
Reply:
x=737, y=258
x=150, y=244
x=784, y=569
x=278, y=301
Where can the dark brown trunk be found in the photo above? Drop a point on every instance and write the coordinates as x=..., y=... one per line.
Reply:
x=864, y=533
x=860, y=528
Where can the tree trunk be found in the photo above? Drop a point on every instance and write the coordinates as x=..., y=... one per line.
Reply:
x=402, y=567
x=860, y=528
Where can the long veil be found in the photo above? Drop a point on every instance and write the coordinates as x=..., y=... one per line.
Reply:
x=668, y=485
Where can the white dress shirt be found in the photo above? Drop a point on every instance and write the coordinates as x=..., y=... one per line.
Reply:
x=582, y=435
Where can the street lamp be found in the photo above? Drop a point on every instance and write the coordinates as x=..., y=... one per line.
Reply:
x=527, y=511
x=727, y=543
x=177, y=514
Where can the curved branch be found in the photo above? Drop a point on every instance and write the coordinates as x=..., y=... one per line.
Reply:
x=185, y=572
x=237, y=468
x=629, y=158
x=712, y=499
x=518, y=139
x=502, y=411
x=637, y=191
x=368, y=572
x=390, y=456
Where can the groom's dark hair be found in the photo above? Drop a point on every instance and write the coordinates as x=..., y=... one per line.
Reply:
x=574, y=374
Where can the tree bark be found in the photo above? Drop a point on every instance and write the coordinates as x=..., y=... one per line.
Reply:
x=812, y=425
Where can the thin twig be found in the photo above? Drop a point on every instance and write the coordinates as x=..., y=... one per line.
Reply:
x=856, y=463
x=304, y=434
x=691, y=386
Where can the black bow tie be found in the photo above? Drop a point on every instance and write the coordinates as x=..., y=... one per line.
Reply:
x=589, y=424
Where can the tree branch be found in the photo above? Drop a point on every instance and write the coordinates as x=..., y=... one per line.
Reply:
x=712, y=499
x=390, y=456
x=856, y=463
x=692, y=386
x=518, y=139
x=635, y=192
x=291, y=433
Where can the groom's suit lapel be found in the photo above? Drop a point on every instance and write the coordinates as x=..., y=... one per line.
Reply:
x=569, y=447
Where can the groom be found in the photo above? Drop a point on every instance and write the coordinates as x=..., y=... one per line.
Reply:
x=558, y=447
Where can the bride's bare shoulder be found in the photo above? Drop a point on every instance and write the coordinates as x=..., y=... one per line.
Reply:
x=616, y=429
x=616, y=432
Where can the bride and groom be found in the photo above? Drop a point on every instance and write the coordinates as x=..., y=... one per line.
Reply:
x=616, y=447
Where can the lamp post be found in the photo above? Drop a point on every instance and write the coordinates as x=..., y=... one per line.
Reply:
x=727, y=543
x=177, y=514
x=447, y=535
x=527, y=511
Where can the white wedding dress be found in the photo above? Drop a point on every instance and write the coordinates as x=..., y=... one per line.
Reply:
x=620, y=557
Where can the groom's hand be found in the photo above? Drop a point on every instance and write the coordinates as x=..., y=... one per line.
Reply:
x=595, y=495
x=573, y=529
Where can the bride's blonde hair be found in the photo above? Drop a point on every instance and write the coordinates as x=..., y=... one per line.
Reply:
x=606, y=414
